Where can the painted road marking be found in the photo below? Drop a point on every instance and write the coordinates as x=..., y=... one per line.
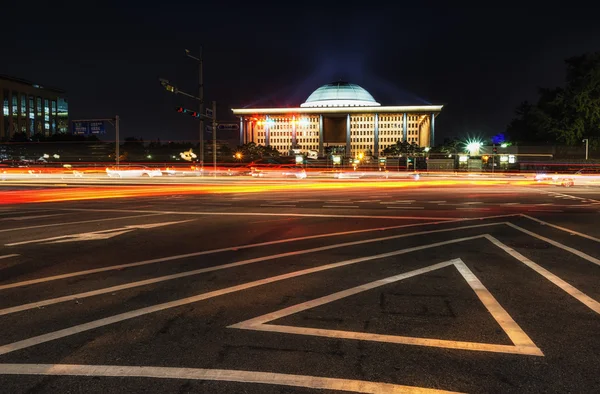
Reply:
x=340, y=206
x=231, y=248
x=522, y=344
x=222, y=375
x=96, y=235
x=561, y=228
x=6, y=256
x=557, y=244
x=11, y=347
x=436, y=202
x=473, y=209
x=404, y=207
x=80, y=222
x=571, y=290
x=31, y=217
x=544, y=210
x=311, y=215
x=130, y=285
x=277, y=205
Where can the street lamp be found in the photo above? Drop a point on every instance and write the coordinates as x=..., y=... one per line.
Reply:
x=587, y=147
x=473, y=147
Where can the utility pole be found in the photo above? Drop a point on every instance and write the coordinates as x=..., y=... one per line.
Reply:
x=117, y=153
x=214, y=137
x=200, y=99
x=587, y=148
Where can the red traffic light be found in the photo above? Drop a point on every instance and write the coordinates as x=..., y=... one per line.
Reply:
x=195, y=114
x=179, y=109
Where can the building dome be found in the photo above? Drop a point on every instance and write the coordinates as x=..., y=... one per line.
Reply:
x=340, y=94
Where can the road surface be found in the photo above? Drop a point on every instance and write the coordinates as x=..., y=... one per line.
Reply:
x=357, y=289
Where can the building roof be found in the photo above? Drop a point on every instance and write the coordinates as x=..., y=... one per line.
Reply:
x=340, y=94
x=340, y=110
x=26, y=82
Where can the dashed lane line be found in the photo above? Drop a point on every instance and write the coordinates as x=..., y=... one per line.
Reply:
x=404, y=207
x=233, y=248
x=82, y=222
x=26, y=343
x=278, y=205
x=221, y=375
x=340, y=206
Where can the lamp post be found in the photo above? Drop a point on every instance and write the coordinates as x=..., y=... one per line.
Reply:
x=587, y=147
x=200, y=102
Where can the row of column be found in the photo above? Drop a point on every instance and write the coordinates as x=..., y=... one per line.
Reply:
x=244, y=140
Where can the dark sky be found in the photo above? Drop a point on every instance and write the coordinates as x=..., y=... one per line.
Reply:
x=480, y=62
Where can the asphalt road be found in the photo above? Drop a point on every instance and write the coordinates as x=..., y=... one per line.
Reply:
x=463, y=289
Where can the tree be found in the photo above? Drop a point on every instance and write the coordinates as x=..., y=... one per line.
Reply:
x=566, y=114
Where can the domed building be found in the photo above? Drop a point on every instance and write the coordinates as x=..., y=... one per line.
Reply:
x=341, y=115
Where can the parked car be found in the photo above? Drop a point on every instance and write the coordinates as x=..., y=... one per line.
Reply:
x=130, y=171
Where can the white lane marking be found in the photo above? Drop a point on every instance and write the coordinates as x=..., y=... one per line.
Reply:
x=340, y=206
x=130, y=285
x=472, y=203
x=561, y=228
x=404, y=207
x=545, y=210
x=31, y=217
x=367, y=200
x=522, y=344
x=436, y=202
x=311, y=215
x=510, y=203
x=6, y=256
x=567, y=288
x=11, y=347
x=221, y=375
x=96, y=235
x=16, y=211
x=473, y=209
x=80, y=222
x=235, y=248
x=278, y=205
x=557, y=244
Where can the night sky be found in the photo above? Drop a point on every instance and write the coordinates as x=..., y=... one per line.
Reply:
x=480, y=62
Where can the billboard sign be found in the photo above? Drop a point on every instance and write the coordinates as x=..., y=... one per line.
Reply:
x=97, y=127
x=80, y=128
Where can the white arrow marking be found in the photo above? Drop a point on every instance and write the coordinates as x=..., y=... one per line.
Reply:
x=95, y=235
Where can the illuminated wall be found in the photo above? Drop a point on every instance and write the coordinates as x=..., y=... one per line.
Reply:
x=31, y=109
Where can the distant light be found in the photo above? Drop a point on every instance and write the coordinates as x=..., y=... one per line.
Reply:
x=56, y=156
x=473, y=147
x=463, y=158
x=504, y=145
x=45, y=156
x=299, y=159
x=427, y=149
x=304, y=122
x=149, y=156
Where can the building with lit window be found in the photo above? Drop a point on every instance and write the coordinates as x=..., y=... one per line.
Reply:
x=31, y=109
x=342, y=116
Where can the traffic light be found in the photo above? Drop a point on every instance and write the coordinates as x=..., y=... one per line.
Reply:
x=181, y=109
x=195, y=114
x=495, y=150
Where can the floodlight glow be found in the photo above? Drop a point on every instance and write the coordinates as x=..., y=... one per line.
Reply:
x=473, y=147
x=304, y=122
x=504, y=145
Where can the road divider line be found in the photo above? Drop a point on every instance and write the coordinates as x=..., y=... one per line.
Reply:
x=26, y=343
x=576, y=252
x=561, y=228
x=179, y=275
x=31, y=217
x=6, y=256
x=79, y=222
x=313, y=215
x=221, y=375
x=563, y=285
x=234, y=248
x=340, y=206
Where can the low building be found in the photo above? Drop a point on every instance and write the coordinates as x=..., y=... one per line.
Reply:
x=341, y=116
x=31, y=109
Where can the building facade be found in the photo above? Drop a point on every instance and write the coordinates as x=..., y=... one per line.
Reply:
x=31, y=109
x=338, y=115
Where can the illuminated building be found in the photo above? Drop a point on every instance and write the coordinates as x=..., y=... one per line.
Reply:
x=338, y=115
x=31, y=109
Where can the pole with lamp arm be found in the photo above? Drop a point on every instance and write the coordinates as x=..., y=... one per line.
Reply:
x=587, y=148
